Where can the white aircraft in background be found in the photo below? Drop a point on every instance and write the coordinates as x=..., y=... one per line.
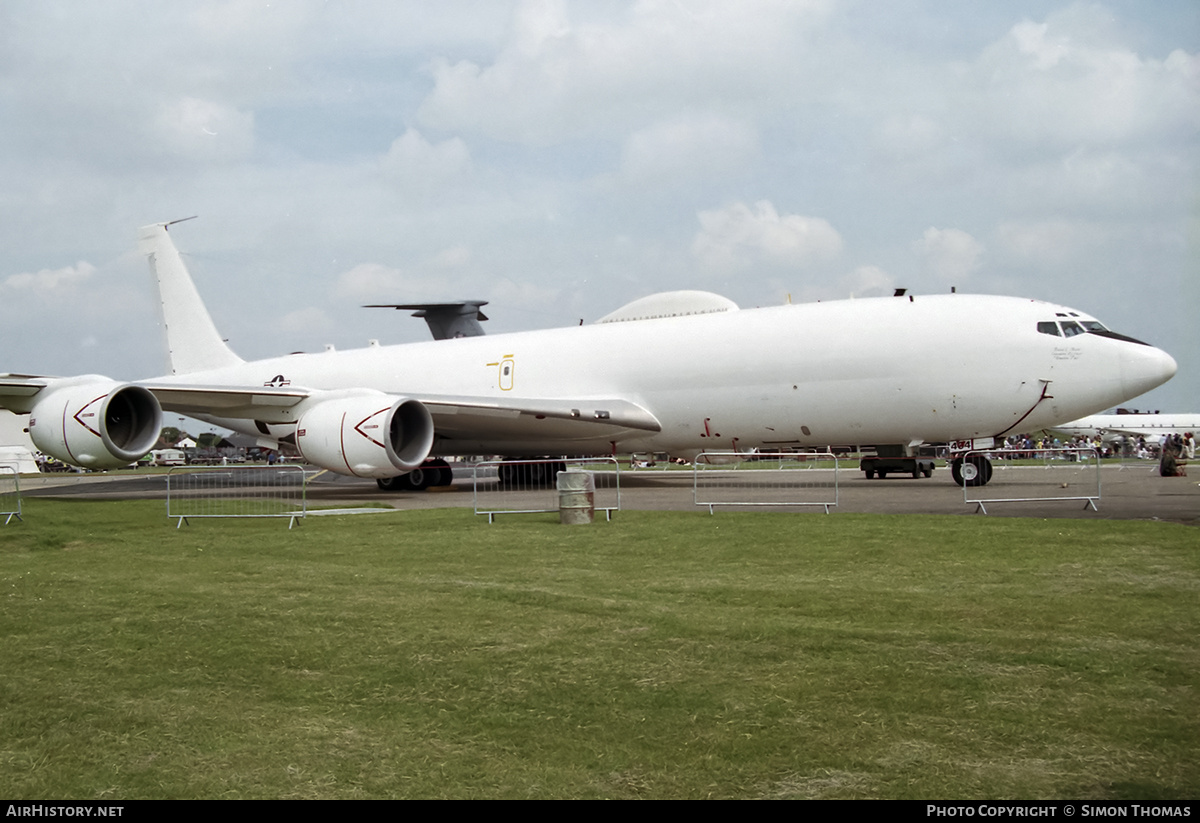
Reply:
x=1131, y=424
x=681, y=372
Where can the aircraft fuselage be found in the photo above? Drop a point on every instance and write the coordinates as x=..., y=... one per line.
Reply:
x=869, y=371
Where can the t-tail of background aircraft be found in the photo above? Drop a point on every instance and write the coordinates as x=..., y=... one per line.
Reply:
x=682, y=372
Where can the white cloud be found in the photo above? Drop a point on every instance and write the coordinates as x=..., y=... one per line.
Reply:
x=909, y=135
x=555, y=79
x=1048, y=244
x=49, y=281
x=376, y=283
x=951, y=255
x=205, y=129
x=1067, y=143
x=414, y=162
x=372, y=281
x=868, y=281
x=1071, y=80
x=455, y=257
x=309, y=320
x=529, y=296
x=737, y=236
x=688, y=148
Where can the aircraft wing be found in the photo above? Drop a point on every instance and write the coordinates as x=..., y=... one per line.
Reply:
x=21, y=385
x=453, y=416
x=467, y=417
x=17, y=390
x=264, y=403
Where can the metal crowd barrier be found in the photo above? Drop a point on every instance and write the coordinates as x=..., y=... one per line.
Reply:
x=528, y=486
x=241, y=491
x=1054, y=474
x=765, y=479
x=10, y=494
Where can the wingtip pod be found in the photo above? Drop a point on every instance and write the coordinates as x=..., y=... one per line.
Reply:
x=193, y=343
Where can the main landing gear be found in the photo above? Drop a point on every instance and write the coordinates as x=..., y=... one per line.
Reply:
x=433, y=472
x=529, y=474
x=973, y=470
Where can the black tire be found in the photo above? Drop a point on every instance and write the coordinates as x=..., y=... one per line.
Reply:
x=440, y=473
x=415, y=481
x=515, y=474
x=870, y=473
x=535, y=474
x=532, y=475
x=973, y=471
x=420, y=478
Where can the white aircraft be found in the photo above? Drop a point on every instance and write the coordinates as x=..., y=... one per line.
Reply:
x=1113, y=426
x=682, y=372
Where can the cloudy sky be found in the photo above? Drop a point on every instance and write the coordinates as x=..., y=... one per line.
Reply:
x=560, y=159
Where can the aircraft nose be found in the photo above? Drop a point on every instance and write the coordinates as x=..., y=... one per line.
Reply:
x=1144, y=368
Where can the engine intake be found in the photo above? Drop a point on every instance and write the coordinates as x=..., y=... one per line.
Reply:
x=365, y=434
x=95, y=422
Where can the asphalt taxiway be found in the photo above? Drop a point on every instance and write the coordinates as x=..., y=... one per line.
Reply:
x=1129, y=491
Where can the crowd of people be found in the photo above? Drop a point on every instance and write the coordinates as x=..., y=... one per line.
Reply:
x=1174, y=452
x=1175, y=446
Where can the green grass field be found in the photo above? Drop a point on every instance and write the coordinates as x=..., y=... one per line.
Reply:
x=428, y=654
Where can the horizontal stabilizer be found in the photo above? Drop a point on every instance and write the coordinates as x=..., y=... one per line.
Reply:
x=445, y=320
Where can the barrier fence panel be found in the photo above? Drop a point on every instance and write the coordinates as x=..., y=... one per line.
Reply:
x=529, y=487
x=242, y=491
x=10, y=494
x=1050, y=474
x=765, y=479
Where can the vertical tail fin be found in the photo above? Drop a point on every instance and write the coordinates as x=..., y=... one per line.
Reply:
x=193, y=343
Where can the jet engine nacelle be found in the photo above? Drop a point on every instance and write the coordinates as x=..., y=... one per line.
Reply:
x=364, y=434
x=95, y=422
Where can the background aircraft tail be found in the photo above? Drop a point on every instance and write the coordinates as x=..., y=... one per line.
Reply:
x=193, y=343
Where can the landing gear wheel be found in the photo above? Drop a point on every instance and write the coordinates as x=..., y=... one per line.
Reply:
x=440, y=473
x=529, y=475
x=535, y=474
x=975, y=470
x=416, y=480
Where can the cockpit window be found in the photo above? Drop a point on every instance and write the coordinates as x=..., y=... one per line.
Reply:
x=1070, y=328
